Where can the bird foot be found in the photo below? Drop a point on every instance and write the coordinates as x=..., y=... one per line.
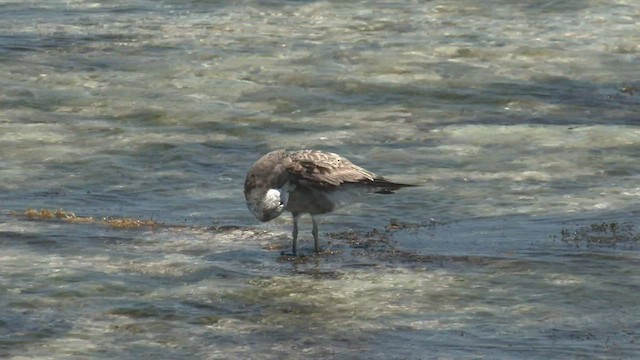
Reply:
x=291, y=254
x=295, y=259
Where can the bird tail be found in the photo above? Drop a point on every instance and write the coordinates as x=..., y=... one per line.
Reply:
x=389, y=187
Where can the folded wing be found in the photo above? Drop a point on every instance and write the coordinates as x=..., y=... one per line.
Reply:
x=330, y=171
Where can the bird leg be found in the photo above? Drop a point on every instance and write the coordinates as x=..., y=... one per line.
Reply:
x=314, y=232
x=295, y=234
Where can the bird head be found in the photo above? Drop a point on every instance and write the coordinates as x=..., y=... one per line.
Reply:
x=266, y=206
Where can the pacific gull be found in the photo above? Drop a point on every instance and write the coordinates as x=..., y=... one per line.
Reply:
x=308, y=181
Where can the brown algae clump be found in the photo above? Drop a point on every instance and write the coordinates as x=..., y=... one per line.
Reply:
x=63, y=215
x=45, y=214
x=129, y=223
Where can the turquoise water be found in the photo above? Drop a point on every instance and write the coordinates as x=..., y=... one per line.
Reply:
x=518, y=120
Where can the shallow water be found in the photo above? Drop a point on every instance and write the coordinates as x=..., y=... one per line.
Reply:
x=519, y=121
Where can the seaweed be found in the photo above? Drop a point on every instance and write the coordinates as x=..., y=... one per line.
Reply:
x=604, y=234
x=68, y=216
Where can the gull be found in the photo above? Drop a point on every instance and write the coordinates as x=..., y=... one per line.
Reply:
x=308, y=182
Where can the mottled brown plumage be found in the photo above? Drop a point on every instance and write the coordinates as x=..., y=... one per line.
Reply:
x=308, y=181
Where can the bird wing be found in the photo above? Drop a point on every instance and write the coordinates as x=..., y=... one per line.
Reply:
x=326, y=170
